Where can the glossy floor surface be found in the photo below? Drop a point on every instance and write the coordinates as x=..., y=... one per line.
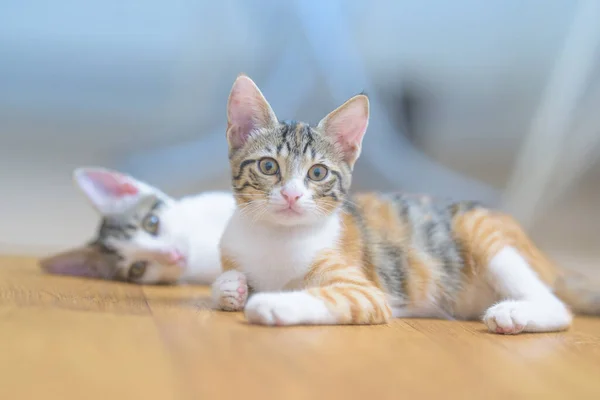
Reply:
x=65, y=338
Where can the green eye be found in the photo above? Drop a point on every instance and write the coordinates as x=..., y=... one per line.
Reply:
x=137, y=270
x=151, y=223
x=268, y=166
x=318, y=172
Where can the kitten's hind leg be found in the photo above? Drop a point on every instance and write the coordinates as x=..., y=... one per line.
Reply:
x=230, y=291
x=530, y=306
x=494, y=247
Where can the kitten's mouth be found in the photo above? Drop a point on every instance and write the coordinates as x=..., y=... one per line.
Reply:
x=289, y=211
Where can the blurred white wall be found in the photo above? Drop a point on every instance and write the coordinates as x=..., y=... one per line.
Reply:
x=93, y=82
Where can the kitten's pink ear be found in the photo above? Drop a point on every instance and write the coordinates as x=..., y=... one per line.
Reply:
x=247, y=111
x=108, y=191
x=347, y=125
x=86, y=261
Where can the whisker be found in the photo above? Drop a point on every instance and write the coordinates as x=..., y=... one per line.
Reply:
x=254, y=208
x=259, y=215
x=348, y=201
x=250, y=207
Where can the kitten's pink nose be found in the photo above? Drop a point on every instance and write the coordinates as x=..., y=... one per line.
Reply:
x=175, y=257
x=291, y=195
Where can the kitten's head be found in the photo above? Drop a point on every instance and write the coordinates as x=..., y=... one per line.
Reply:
x=136, y=240
x=291, y=173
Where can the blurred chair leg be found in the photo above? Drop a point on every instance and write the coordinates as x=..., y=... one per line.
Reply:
x=199, y=161
x=543, y=145
x=390, y=153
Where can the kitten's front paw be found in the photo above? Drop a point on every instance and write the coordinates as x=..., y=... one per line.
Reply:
x=267, y=309
x=230, y=291
x=508, y=317
x=292, y=308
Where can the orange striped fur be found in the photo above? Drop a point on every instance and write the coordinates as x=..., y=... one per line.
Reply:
x=349, y=283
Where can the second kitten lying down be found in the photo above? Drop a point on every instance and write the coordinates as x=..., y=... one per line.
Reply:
x=144, y=235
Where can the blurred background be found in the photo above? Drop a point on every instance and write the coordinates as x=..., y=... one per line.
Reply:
x=495, y=101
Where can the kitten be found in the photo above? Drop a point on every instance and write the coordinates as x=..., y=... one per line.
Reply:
x=315, y=255
x=146, y=236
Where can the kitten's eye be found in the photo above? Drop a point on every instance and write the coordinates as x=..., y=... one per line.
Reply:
x=137, y=270
x=268, y=166
x=151, y=224
x=318, y=172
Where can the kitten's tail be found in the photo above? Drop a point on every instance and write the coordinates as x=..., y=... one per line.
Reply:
x=581, y=293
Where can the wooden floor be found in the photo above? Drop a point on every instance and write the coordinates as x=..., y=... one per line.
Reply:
x=66, y=338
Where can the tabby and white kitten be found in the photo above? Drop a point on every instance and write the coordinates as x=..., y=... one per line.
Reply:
x=146, y=236
x=315, y=255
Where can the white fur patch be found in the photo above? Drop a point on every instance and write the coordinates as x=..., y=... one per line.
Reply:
x=292, y=308
x=196, y=224
x=270, y=256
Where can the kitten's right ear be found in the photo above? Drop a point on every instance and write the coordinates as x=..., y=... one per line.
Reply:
x=247, y=111
x=111, y=191
x=346, y=126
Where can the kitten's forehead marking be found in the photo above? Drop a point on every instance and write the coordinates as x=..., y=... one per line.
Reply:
x=299, y=140
x=123, y=225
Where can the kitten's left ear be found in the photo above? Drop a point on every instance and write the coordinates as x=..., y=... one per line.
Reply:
x=347, y=125
x=247, y=111
x=112, y=191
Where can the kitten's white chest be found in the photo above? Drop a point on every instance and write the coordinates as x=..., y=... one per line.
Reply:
x=272, y=258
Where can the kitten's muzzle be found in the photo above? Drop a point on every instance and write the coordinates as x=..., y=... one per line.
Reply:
x=174, y=257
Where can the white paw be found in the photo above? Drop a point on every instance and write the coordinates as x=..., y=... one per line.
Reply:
x=508, y=317
x=292, y=308
x=230, y=291
x=515, y=316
